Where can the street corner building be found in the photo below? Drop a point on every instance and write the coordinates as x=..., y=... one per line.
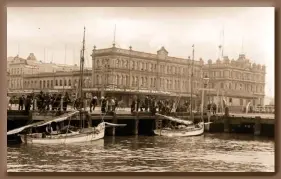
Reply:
x=124, y=73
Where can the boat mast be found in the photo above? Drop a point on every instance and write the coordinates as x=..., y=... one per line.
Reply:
x=81, y=77
x=191, y=81
x=82, y=67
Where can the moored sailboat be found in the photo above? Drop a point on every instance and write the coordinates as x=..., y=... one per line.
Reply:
x=68, y=134
x=187, y=128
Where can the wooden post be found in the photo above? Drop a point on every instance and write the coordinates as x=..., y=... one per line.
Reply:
x=85, y=104
x=89, y=118
x=226, y=124
x=115, y=122
x=257, y=127
x=158, y=124
x=136, y=131
x=207, y=126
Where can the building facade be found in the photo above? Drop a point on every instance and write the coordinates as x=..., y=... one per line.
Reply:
x=236, y=82
x=126, y=72
x=20, y=71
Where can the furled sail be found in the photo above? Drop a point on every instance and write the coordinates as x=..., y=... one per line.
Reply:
x=42, y=123
x=17, y=130
x=176, y=119
x=114, y=125
x=60, y=118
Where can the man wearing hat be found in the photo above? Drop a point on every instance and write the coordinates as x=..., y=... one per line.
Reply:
x=93, y=103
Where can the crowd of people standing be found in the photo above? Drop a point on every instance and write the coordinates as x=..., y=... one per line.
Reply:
x=58, y=102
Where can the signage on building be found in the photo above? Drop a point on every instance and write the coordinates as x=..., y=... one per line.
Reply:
x=62, y=87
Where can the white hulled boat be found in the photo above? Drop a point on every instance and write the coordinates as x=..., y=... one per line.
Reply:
x=68, y=135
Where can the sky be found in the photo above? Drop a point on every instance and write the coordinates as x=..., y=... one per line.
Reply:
x=54, y=34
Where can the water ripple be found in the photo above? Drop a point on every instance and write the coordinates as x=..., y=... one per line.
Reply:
x=209, y=153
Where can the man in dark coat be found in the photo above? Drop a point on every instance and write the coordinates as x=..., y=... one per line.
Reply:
x=152, y=106
x=27, y=103
x=146, y=103
x=138, y=104
x=58, y=102
x=214, y=108
x=103, y=104
x=93, y=103
x=53, y=101
x=133, y=105
x=66, y=100
x=21, y=102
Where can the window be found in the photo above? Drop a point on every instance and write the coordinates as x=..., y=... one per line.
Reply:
x=117, y=63
x=134, y=65
x=230, y=100
x=138, y=65
x=126, y=64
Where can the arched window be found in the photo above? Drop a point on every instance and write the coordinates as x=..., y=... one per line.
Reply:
x=124, y=80
x=121, y=80
x=118, y=80
x=69, y=82
x=145, y=81
x=65, y=82
x=60, y=82
x=137, y=81
x=138, y=65
x=126, y=64
x=48, y=84
x=133, y=81
x=127, y=80
x=57, y=83
x=44, y=84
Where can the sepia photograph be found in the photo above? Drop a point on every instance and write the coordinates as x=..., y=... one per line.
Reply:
x=140, y=89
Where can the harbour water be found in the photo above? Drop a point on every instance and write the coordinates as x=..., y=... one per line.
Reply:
x=208, y=153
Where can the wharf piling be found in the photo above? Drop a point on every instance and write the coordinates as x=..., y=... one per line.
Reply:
x=257, y=128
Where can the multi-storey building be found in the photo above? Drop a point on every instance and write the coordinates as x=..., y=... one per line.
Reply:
x=122, y=71
x=19, y=68
x=238, y=82
x=126, y=72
